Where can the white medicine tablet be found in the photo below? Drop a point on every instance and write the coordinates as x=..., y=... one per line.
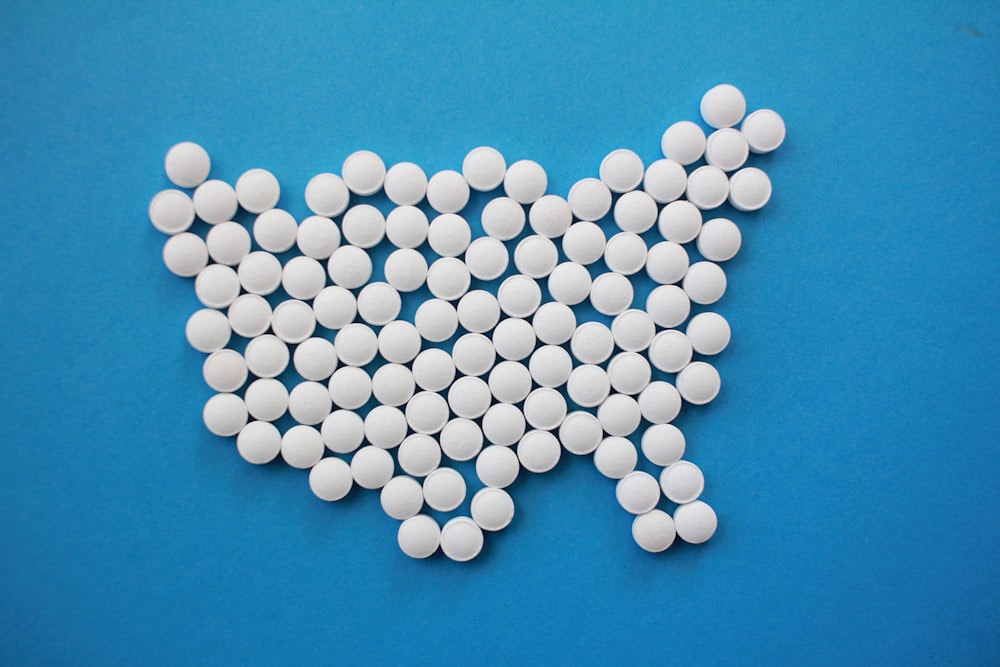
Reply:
x=696, y=522
x=266, y=399
x=260, y=273
x=215, y=201
x=405, y=184
x=589, y=199
x=554, y=323
x=699, y=383
x=267, y=356
x=399, y=342
x=619, y=415
x=185, y=254
x=356, y=344
x=660, y=402
x=611, y=293
x=625, y=253
x=654, y=531
x=474, y=354
x=708, y=187
x=622, y=170
x=726, y=149
x=419, y=455
x=665, y=180
x=335, y=307
x=393, y=385
x=580, y=433
x=436, y=320
x=461, y=539
x=275, y=230
x=497, y=466
x=764, y=130
x=592, y=343
x=588, y=385
x=257, y=190
x=502, y=218
x=633, y=330
x=349, y=267
x=525, y=181
x=315, y=359
x=217, y=286
x=682, y=482
x=187, y=164
x=225, y=414
x=635, y=212
x=538, y=451
x=637, y=492
x=402, y=497
x=449, y=234
x=723, y=106
x=303, y=277
x=484, y=168
x=510, y=382
x=259, y=443
x=249, y=315
x=680, y=221
x=709, y=333
x=448, y=278
x=350, y=387
x=302, y=447
x=363, y=225
x=492, y=509
x=513, y=339
x=224, y=370
x=663, y=444
x=327, y=195
x=343, y=431
x=447, y=191
x=704, y=282
x=615, y=457
x=309, y=403
x=406, y=227
x=550, y=366
x=629, y=373
x=433, y=370
x=668, y=305
x=171, y=211
x=427, y=412
x=331, y=479
x=487, y=258
x=583, y=242
x=670, y=351
x=503, y=424
x=419, y=536
x=461, y=439
x=719, y=240
x=749, y=189
x=379, y=303
x=228, y=243
x=469, y=397
x=536, y=256
x=683, y=142
x=385, y=426
x=519, y=296
x=364, y=173
x=550, y=216
x=444, y=489
x=544, y=409
x=478, y=311
x=405, y=269
x=372, y=467
x=293, y=321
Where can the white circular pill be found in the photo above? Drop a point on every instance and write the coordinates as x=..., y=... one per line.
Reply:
x=510, y=382
x=303, y=277
x=503, y=218
x=267, y=356
x=225, y=414
x=536, y=256
x=580, y=433
x=633, y=330
x=217, y=286
x=544, y=409
x=589, y=199
x=682, y=482
x=185, y=254
x=749, y=189
x=302, y=447
x=683, y=142
x=487, y=258
x=625, y=253
x=696, y=522
x=405, y=269
x=392, y=384
x=419, y=455
x=266, y=399
x=447, y=191
x=405, y=184
x=419, y=536
x=569, y=283
x=385, y=426
x=554, y=323
x=704, y=282
x=363, y=225
x=474, y=354
x=550, y=216
x=629, y=373
x=654, y=531
x=635, y=212
x=327, y=195
x=343, y=431
x=550, y=366
x=538, y=451
x=406, y=227
x=260, y=273
x=764, y=130
x=335, y=307
x=171, y=211
x=275, y=230
x=257, y=190
x=379, y=303
x=433, y=370
x=461, y=439
x=592, y=343
x=622, y=170
x=588, y=385
x=356, y=344
x=449, y=234
x=187, y=164
x=611, y=293
x=680, y=221
x=619, y=415
x=668, y=305
x=259, y=443
x=663, y=444
x=726, y=149
x=665, y=180
x=444, y=489
x=660, y=402
x=331, y=479
x=461, y=539
x=513, y=339
x=670, y=351
x=492, y=509
x=399, y=342
x=349, y=267
x=448, y=278
x=723, y=106
x=224, y=370
x=293, y=321
x=708, y=187
x=497, y=466
x=699, y=383
x=709, y=333
x=719, y=240
x=215, y=201
x=615, y=457
x=402, y=497
x=519, y=296
x=315, y=359
x=478, y=311
x=309, y=403
x=228, y=243
x=667, y=262
x=364, y=173
x=484, y=168
x=469, y=397
x=584, y=242
x=249, y=315
x=372, y=467
x=525, y=181
x=436, y=320
x=503, y=424
x=637, y=492
x=427, y=412
x=350, y=387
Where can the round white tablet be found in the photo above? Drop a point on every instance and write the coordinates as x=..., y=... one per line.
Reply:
x=419, y=536
x=514, y=339
x=670, y=351
x=625, y=253
x=699, y=383
x=449, y=234
x=228, y=243
x=663, y=444
x=707, y=187
x=665, y=180
x=550, y=216
x=497, y=466
x=478, y=311
x=372, y=467
x=343, y=431
x=683, y=142
x=260, y=273
x=309, y=403
x=385, y=426
x=584, y=242
x=331, y=479
x=503, y=424
x=682, y=482
x=487, y=258
x=379, y=303
x=611, y=293
x=215, y=201
x=171, y=211
x=303, y=277
x=629, y=373
x=637, y=492
x=588, y=385
x=544, y=409
x=484, y=168
x=399, y=342
x=350, y=387
x=461, y=539
x=654, y=531
x=327, y=195
x=249, y=315
x=538, y=451
x=224, y=370
x=723, y=106
x=185, y=254
x=461, y=439
x=405, y=184
x=764, y=130
x=406, y=227
x=217, y=286
x=469, y=397
x=536, y=256
x=696, y=522
x=402, y=497
x=726, y=149
x=592, y=343
x=519, y=296
x=554, y=323
x=405, y=269
x=315, y=359
x=225, y=414
x=436, y=320
x=550, y=366
x=474, y=354
x=615, y=457
x=619, y=415
x=448, y=278
x=704, y=282
x=503, y=218
x=433, y=370
x=257, y=190
x=667, y=262
x=492, y=509
x=335, y=307
x=709, y=333
x=749, y=189
x=510, y=382
x=364, y=173
x=635, y=212
x=363, y=225
x=419, y=455
x=267, y=356
x=427, y=412
x=680, y=221
x=266, y=399
x=719, y=240
x=356, y=344
x=447, y=191
x=668, y=305
x=525, y=181
x=302, y=447
x=293, y=321
x=622, y=170
x=633, y=330
x=275, y=230
x=444, y=489
x=187, y=164
x=392, y=384
x=580, y=433
x=349, y=267
x=660, y=402
x=259, y=443
x=589, y=199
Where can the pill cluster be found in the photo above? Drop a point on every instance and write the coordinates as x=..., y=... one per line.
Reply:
x=495, y=367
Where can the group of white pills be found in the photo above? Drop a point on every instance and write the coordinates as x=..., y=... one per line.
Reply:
x=522, y=379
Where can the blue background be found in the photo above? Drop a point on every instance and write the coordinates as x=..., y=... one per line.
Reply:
x=852, y=456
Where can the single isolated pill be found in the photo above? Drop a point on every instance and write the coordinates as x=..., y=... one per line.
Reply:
x=583, y=242
x=625, y=253
x=589, y=199
x=525, y=181
x=680, y=221
x=185, y=254
x=309, y=403
x=665, y=180
x=385, y=426
x=259, y=273
x=554, y=323
x=682, y=482
x=550, y=366
x=654, y=531
x=474, y=354
x=484, y=168
x=363, y=172
x=249, y=315
x=708, y=187
x=536, y=256
x=427, y=412
x=492, y=509
x=461, y=439
x=635, y=211
x=433, y=370
x=405, y=269
x=349, y=267
x=217, y=286
x=592, y=343
x=436, y=320
x=419, y=455
x=502, y=218
x=257, y=190
x=224, y=370
x=719, y=240
x=550, y=216
x=659, y=402
x=670, y=351
x=519, y=296
x=447, y=191
x=469, y=397
x=723, y=106
x=448, y=278
x=405, y=184
x=622, y=170
x=419, y=536
x=764, y=130
x=668, y=305
x=538, y=451
x=663, y=444
x=704, y=282
x=497, y=466
x=215, y=201
x=749, y=189
x=315, y=359
x=372, y=467
x=503, y=424
x=356, y=344
x=406, y=227
x=331, y=479
x=267, y=356
x=350, y=387
x=699, y=383
x=302, y=447
x=611, y=293
x=449, y=235
x=225, y=414
x=379, y=303
x=615, y=457
x=726, y=149
x=487, y=258
x=293, y=321
x=363, y=225
x=402, y=497
x=399, y=342
x=709, y=333
x=275, y=230
x=444, y=489
x=343, y=431
x=187, y=164
x=629, y=373
x=696, y=522
x=327, y=195
x=228, y=243
x=266, y=399
x=588, y=385
x=637, y=492
x=171, y=211
x=259, y=443
x=633, y=330
x=544, y=409
x=461, y=539
x=334, y=307
x=510, y=382
x=303, y=277
x=478, y=311
x=619, y=415
x=683, y=142
x=580, y=433
x=514, y=339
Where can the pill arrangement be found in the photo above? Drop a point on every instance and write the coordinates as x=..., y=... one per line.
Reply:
x=492, y=370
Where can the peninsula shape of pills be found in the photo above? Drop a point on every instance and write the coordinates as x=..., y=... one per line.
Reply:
x=496, y=371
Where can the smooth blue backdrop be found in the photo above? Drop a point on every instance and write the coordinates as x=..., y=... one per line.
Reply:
x=852, y=456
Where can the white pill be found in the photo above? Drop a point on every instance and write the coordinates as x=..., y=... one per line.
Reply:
x=448, y=278
x=363, y=225
x=266, y=399
x=726, y=149
x=554, y=323
x=749, y=189
x=449, y=234
x=343, y=431
x=259, y=443
x=660, y=402
x=419, y=536
x=335, y=307
x=525, y=181
x=405, y=184
x=510, y=382
x=611, y=293
x=550, y=216
x=514, y=339
x=723, y=106
x=484, y=168
x=427, y=412
x=303, y=277
x=667, y=262
x=433, y=370
x=580, y=433
x=699, y=383
x=302, y=447
x=584, y=242
x=588, y=385
x=519, y=296
x=379, y=303
x=228, y=243
x=217, y=286
x=257, y=190
x=392, y=384
x=249, y=315
x=225, y=414
x=654, y=531
x=260, y=273
x=215, y=201
x=633, y=330
x=478, y=311
x=275, y=230
x=625, y=253
x=665, y=180
x=629, y=373
x=696, y=522
x=317, y=237
x=592, y=343
x=364, y=173
x=637, y=492
x=185, y=254
x=663, y=444
x=619, y=415
x=405, y=269
x=444, y=489
x=436, y=320
x=544, y=409
x=293, y=321
x=474, y=354
x=680, y=221
x=503, y=424
x=497, y=466
x=487, y=258
x=187, y=164
x=469, y=397
x=708, y=187
x=350, y=387
x=406, y=227
x=503, y=218
x=682, y=482
x=349, y=267
x=704, y=282
x=670, y=351
x=668, y=305
x=719, y=240
x=764, y=130
x=447, y=191
x=402, y=497
x=385, y=426
x=492, y=509
x=327, y=195
x=399, y=342
x=461, y=439
x=683, y=142
x=331, y=479
x=356, y=344
x=309, y=403
x=589, y=199
x=224, y=370
x=536, y=256
x=538, y=451
x=267, y=356
x=622, y=170
x=372, y=467
x=709, y=333
x=635, y=212
x=550, y=366
x=569, y=283
x=615, y=457
x=419, y=455
x=171, y=211
x=461, y=539
x=315, y=359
